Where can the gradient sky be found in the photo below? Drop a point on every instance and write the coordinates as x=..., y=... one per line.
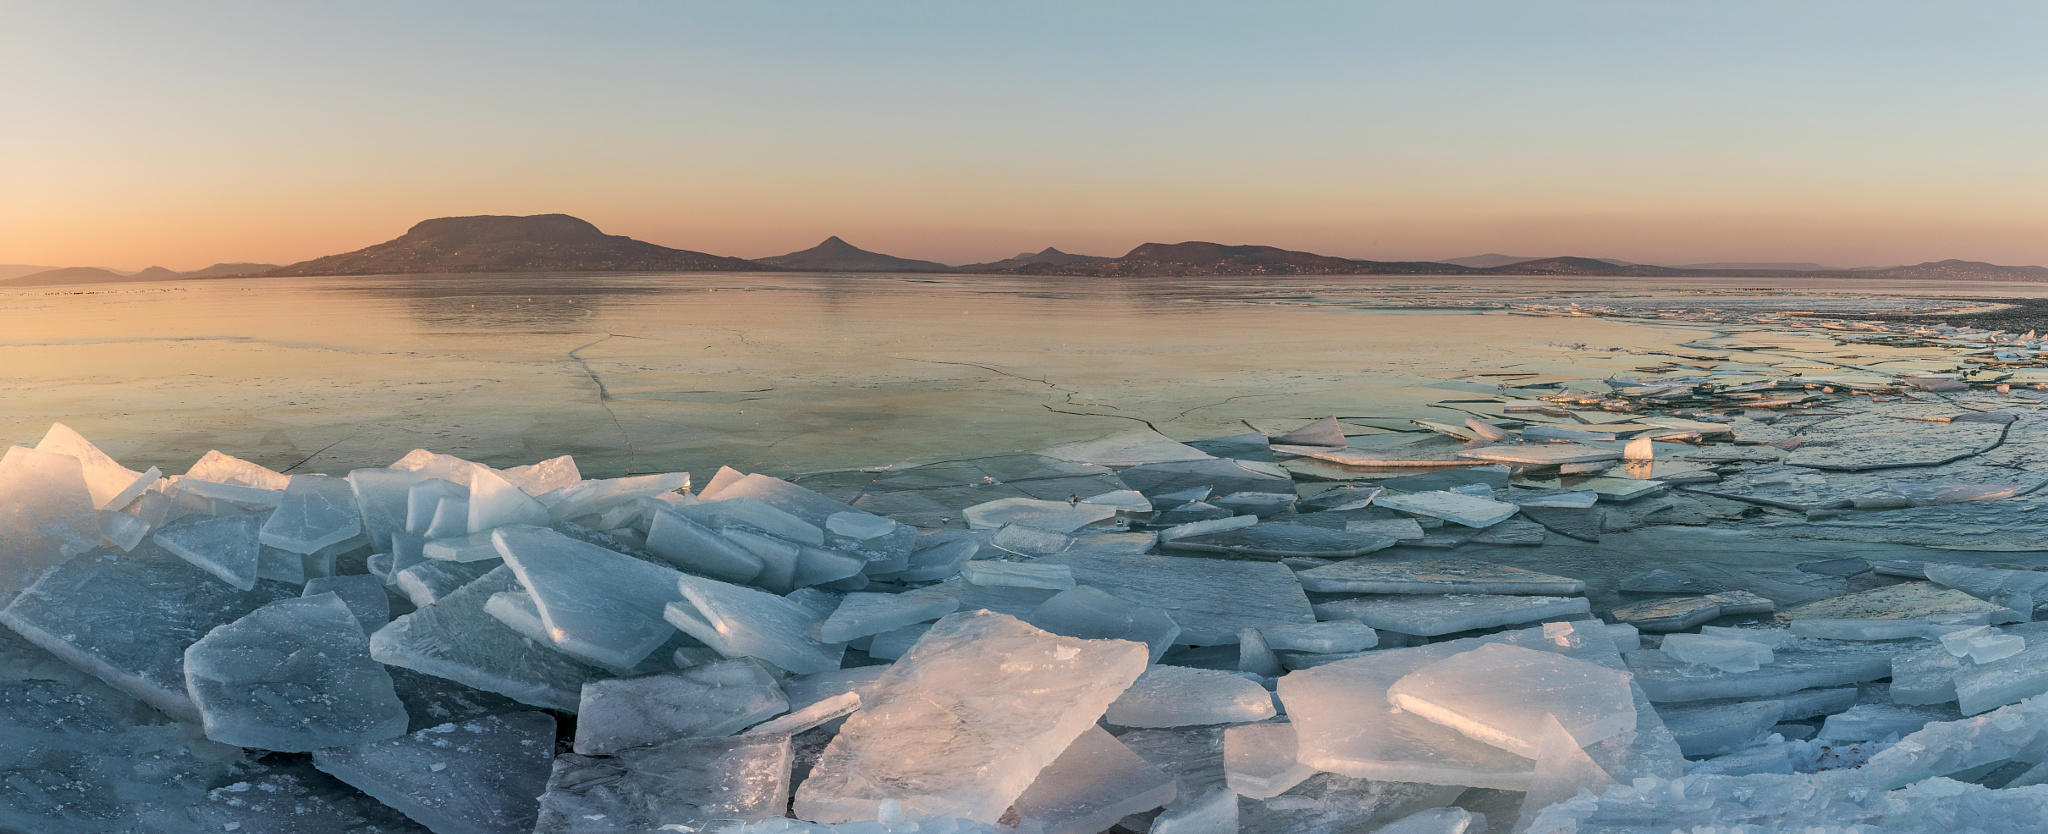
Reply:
x=1851, y=133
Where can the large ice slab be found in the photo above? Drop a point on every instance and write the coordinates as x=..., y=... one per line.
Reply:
x=963, y=724
x=860, y=614
x=597, y=604
x=714, y=699
x=286, y=799
x=1261, y=760
x=1089, y=612
x=479, y=776
x=1434, y=576
x=1829, y=801
x=1454, y=507
x=1179, y=696
x=1465, y=692
x=46, y=515
x=1795, y=665
x=1892, y=612
x=1212, y=600
x=1059, y=516
x=315, y=513
x=698, y=549
x=743, y=622
x=495, y=502
x=1432, y=616
x=227, y=546
x=127, y=619
x=1345, y=723
x=1278, y=540
x=112, y=485
x=1094, y=782
x=1131, y=449
x=1681, y=613
x=457, y=639
x=687, y=783
x=292, y=676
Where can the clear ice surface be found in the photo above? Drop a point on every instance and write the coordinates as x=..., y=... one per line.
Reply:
x=1434, y=576
x=1592, y=702
x=744, y=622
x=597, y=604
x=1724, y=653
x=1058, y=516
x=715, y=699
x=1260, y=760
x=684, y=785
x=292, y=676
x=1454, y=507
x=362, y=593
x=226, y=546
x=1178, y=696
x=990, y=573
x=861, y=614
x=1212, y=600
x=496, y=502
x=46, y=515
x=483, y=775
x=1092, y=784
x=1431, y=616
x=316, y=512
x=112, y=485
x=1089, y=612
x=963, y=723
x=457, y=639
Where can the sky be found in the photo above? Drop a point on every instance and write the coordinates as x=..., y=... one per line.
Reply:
x=1848, y=133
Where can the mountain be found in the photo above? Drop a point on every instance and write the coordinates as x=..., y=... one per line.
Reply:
x=1048, y=255
x=9, y=272
x=91, y=275
x=495, y=243
x=1583, y=266
x=1958, y=270
x=1203, y=258
x=155, y=273
x=1772, y=266
x=1495, y=259
x=835, y=255
x=231, y=270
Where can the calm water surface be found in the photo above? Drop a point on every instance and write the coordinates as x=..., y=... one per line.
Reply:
x=791, y=373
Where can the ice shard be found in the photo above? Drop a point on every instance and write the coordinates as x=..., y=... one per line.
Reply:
x=1593, y=703
x=1094, y=782
x=744, y=622
x=315, y=513
x=226, y=547
x=1432, y=616
x=1373, y=576
x=1089, y=612
x=112, y=485
x=1178, y=696
x=599, y=605
x=292, y=676
x=46, y=515
x=714, y=699
x=457, y=639
x=685, y=785
x=484, y=775
x=963, y=724
x=1260, y=760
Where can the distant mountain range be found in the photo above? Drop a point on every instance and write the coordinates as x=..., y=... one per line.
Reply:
x=560, y=243
x=835, y=255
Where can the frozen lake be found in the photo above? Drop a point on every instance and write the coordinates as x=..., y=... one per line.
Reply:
x=788, y=373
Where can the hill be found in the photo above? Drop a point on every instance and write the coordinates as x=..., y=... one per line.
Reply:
x=1048, y=255
x=231, y=270
x=1195, y=258
x=11, y=271
x=86, y=275
x=495, y=243
x=836, y=255
x=1959, y=270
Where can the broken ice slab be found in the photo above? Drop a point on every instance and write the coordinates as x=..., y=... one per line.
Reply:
x=1713, y=729
x=1205, y=527
x=935, y=559
x=362, y=593
x=1398, y=529
x=597, y=604
x=684, y=784
x=1437, y=821
x=1345, y=724
x=990, y=573
x=1463, y=692
x=127, y=619
x=427, y=582
x=1800, y=663
x=715, y=699
x=963, y=724
x=1335, y=636
x=1094, y=782
x=292, y=676
x=1876, y=722
x=1220, y=476
x=1434, y=576
x=1178, y=696
x=1946, y=747
x=1551, y=497
x=1433, y=616
x=860, y=614
x=545, y=476
x=1540, y=454
x=496, y=502
x=1826, y=801
x=457, y=639
x=1984, y=686
x=1893, y=612
x=1513, y=532
x=887, y=543
x=744, y=622
x=46, y=515
x=1322, y=431
x=423, y=502
x=112, y=485
x=1212, y=600
x=1454, y=507
x=1682, y=613
x=384, y=497
x=1088, y=612
x=1328, y=802
x=1276, y=540
x=589, y=498
x=1983, y=644
x=693, y=547
x=219, y=468
x=474, y=547
x=316, y=512
x=1058, y=516
x=287, y=798
x=2015, y=589
x=1261, y=504
x=1865, y=441
x=479, y=776
x=1133, y=449
x=226, y=547
x=1724, y=653
x=816, y=714
x=1259, y=760
x=1620, y=489
x=1028, y=541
